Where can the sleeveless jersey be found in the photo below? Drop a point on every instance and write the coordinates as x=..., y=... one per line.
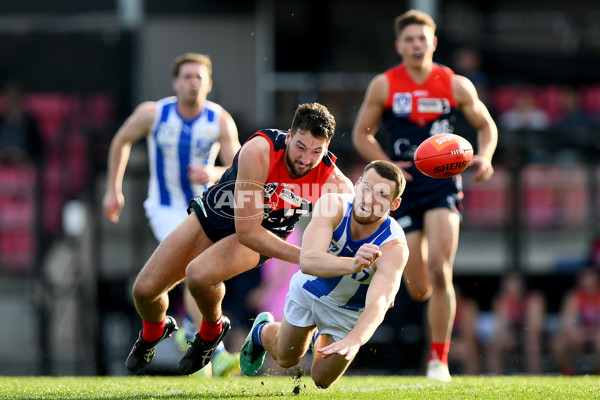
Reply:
x=285, y=199
x=412, y=113
x=348, y=291
x=173, y=144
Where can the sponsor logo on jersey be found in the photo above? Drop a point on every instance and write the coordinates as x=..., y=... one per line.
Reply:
x=291, y=198
x=436, y=106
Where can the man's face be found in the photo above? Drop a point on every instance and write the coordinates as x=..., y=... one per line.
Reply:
x=304, y=152
x=193, y=83
x=416, y=45
x=374, y=198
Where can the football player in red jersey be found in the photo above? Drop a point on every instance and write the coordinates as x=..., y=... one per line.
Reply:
x=236, y=225
x=415, y=100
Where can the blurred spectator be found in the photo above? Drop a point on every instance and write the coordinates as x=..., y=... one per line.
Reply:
x=573, y=115
x=465, y=345
x=20, y=140
x=467, y=62
x=595, y=252
x=579, y=329
x=525, y=114
x=519, y=316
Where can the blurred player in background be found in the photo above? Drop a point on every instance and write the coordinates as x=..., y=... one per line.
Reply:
x=415, y=100
x=236, y=225
x=579, y=329
x=518, y=317
x=20, y=138
x=185, y=133
x=465, y=343
x=352, y=258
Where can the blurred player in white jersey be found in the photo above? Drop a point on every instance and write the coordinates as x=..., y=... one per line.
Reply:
x=184, y=133
x=352, y=258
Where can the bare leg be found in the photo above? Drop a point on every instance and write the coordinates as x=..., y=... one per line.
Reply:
x=441, y=227
x=207, y=272
x=166, y=268
x=326, y=371
x=535, y=315
x=286, y=343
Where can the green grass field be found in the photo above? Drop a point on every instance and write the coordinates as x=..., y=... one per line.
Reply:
x=349, y=387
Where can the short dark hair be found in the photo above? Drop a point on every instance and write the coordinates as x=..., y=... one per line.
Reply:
x=201, y=59
x=315, y=118
x=390, y=171
x=413, y=17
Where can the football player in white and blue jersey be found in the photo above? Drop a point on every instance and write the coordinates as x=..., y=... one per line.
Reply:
x=184, y=133
x=352, y=258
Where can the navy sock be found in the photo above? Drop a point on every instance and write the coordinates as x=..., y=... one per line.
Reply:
x=256, y=334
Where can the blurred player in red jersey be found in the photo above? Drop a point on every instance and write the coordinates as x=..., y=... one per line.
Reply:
x=519, y=317
x=415, y=100
x=579, y=322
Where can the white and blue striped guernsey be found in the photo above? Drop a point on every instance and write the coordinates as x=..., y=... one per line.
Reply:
x=348, y=291
x=174, y=143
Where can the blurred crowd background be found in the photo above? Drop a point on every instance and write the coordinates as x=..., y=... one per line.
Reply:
x=72, y=71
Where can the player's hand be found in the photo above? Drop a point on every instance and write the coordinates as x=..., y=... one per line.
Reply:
x=346, y=348
x=200, y=174
x=112, y=204
x=366, y=255
x=482, y=167
x=403, y=165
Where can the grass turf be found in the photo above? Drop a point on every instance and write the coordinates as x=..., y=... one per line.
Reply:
x=348, y=387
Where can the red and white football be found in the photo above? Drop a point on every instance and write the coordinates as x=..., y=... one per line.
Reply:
x=443, y=155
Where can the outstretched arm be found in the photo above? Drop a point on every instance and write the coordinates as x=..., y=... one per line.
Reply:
x=133, y=129
x=478, y=115
x=380, y=296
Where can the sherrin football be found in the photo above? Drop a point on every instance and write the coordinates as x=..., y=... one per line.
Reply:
x=443, y=155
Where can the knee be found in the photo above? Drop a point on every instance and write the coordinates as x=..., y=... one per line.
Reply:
x=144, y=291
x=440, y=277
x=322, y=382
x=196, y=279
x=419, y=291
x=288, y=362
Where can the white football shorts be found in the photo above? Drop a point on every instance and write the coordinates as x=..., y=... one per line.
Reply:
x=164, y=219
x=303, y=309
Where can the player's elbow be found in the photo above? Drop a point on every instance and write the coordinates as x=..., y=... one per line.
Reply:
x=307, y=263
x=357, y=139
x=245, y=234
x=246, y=239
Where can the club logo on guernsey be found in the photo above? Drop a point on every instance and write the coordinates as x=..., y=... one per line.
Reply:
x=167, y=135
x=402, y=103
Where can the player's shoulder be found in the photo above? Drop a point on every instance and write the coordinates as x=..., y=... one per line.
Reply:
x=214, y=107
x=339, y=182
x=396, y=230
x=463, y=87
x=145, y=113
x=331, y=205
x=257, y=147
